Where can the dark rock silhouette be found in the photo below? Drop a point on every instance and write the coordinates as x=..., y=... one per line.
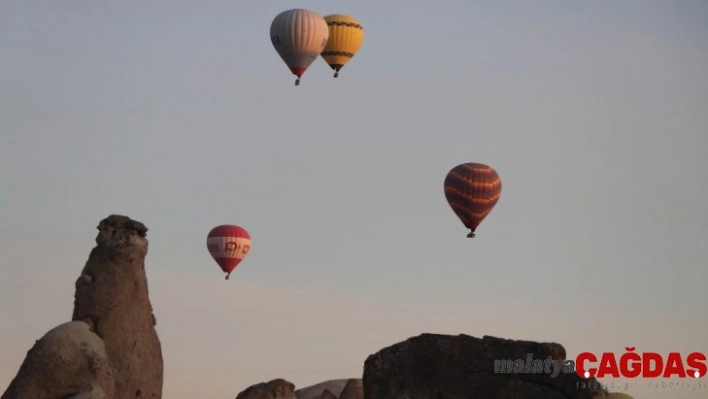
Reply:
x=275, y=389
x=353, y=390
x=462, y=367
x=111, y=348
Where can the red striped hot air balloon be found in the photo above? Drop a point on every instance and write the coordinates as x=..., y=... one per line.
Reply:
x=472, y=190
x=228, y=244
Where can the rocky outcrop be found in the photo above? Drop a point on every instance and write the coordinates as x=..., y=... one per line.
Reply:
x=461, y=367
x=67, y=360
x=353, y=390
x=275, y=389
x=111, y=348
x=313, y=391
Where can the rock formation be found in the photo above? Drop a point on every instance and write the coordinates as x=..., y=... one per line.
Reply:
x=313, y=391
x=461, y=367
x=111, y=348
x=353, y=390
x=67, y=360
x=275, y=389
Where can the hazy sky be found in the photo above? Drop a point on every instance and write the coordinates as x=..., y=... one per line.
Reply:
x=181, y=115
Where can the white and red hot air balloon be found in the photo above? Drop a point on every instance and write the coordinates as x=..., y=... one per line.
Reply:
x=228, y=244
x=299, y=36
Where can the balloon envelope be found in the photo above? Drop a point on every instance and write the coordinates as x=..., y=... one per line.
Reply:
x=345, y=38
x=299, y=36
x=228, y=244
x=472, y=190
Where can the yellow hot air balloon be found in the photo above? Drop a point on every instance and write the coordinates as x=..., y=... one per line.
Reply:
x=299, y=36
x=345, y=38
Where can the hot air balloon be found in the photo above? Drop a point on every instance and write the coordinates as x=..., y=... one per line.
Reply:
x=472, y=190
x=345, y=38
x=228, y=244
x=299, y=36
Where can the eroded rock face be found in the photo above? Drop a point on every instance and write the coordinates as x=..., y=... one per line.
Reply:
x=462, y=367
x=275, y=389
x=91, y=392
x=111, y=348
x=112, y=292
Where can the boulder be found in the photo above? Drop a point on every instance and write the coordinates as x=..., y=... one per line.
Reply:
x=462, y=367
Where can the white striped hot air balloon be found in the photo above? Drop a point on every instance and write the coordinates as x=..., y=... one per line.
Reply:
x=299, y=36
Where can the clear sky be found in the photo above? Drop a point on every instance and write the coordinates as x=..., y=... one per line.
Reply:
x=181, y=115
